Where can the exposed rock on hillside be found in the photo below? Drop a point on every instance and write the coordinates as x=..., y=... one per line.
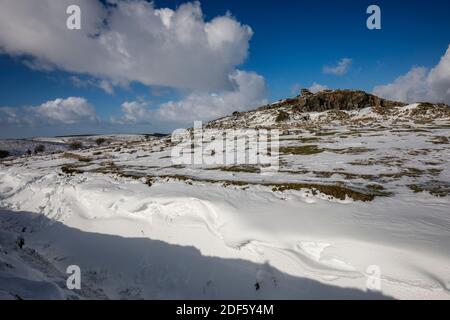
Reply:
x=336, y=100
x=345, y=106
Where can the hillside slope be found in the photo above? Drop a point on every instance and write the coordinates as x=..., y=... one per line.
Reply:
x=343, y=106
x=358, y=187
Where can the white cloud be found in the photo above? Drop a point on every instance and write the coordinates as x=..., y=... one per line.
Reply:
x=340, y=69
x=131, y=41
x=68, y=111
x=105, y=85
x=295, y=89
x=248, y=91
x=409, y=87
x=316, y=87
x=134, y=112
x=420, y=84
x=439, y=79
x=9, y=115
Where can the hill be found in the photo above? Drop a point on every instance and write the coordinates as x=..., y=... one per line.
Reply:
x=345, y=106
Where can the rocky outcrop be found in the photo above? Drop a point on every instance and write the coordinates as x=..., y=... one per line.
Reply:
x=333, y=100
x=341, y=100
x=438, y=110
x=334, y=105
x=305, y=93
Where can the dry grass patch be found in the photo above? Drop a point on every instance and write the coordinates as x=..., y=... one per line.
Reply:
x=440, y=140
x=309, y=139
x=108, y=167
x=351, y=150
x=409, y=129
x=301, y=150
x=326, y=133
x=385, y=161
x=247, y=169
x=301, y=139
x=346, y=175
x=70, y=170
x=435, y=188
x=419, y=152
x=336, y=191
x=376, y=187
x=435, y=171
x=70, y=155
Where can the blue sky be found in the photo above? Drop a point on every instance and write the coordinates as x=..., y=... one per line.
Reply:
x=294, y=39
x=290, y=44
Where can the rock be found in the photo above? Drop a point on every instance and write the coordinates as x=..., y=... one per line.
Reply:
x=305, y=93
x=294, y=112
x=282, y=116
x=342, y=100
x=306, y=117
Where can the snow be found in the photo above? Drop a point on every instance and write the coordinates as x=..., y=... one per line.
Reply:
x=17, y=147
x=409, y=107
x=199, y=238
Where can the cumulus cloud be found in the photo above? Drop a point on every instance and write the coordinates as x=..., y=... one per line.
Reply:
x=134, y=112
x=68, y=111
x=128, y=41
x=409, y=87
x=248, y=91
x=420, y=84
x=340, y=69
x=317, y=87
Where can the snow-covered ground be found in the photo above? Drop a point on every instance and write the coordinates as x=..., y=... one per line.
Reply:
x=140, y=227
x=17, y=147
